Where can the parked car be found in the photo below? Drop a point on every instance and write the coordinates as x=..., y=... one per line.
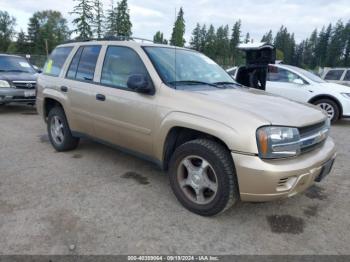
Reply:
x=219, y=141
x=337, y=75
x=300, y=85
x=17, y=80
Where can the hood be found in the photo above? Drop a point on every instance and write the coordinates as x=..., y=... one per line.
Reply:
x=18, y=76
x=270, y=108
x=336, y=87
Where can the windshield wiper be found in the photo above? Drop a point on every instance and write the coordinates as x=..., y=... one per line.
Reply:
x=227, y=83
x=192, y=82
x=14, y=70
x=17, y=70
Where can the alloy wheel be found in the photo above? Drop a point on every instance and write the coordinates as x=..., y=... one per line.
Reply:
x=57, y=130
x=197, y=180
x=328, y=108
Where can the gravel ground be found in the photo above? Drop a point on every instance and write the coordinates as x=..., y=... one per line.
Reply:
x=96, y=200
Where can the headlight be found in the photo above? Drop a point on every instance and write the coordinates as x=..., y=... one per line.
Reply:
x=278, y=142
x=4, y=83
x=347, y=95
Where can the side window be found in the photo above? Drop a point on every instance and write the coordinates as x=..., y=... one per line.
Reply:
x=276, y=74
x=347, y=76
x=72, y=71
x=120, y=63
x=83, y=63
x=56, y=61
x=334, y=74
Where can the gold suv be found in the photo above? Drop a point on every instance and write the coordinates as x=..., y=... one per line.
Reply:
x=221, y=142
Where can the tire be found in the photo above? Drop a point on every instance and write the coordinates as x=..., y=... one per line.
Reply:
x=219, y=174
x=63, y=139
x=330, y=107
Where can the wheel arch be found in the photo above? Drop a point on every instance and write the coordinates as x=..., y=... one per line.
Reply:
x=330, y=97
x=48, y=104
x=178, y=135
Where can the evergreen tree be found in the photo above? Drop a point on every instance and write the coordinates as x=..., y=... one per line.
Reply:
x=7, y=30
x=222, y=45
x=299, y=54
x=323, y=45
x=336, y=45
x=210, y=42
x=99, y=18
x=285, y=42
x=195, y=42
x=177, y=37
x=346, y=60
x=267, y=38
x=307, y=55
x=202, y=38
x=313, y=42
x=47, y=26
x=84, y=12
x=235, y=41
x=247, y=38
x=111, y=20
x=22, y=45
x=123, y=22
x=159, y=38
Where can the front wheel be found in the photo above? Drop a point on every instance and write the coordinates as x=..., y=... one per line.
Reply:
x=330, y=107
x=202, y=177
x=60, y=135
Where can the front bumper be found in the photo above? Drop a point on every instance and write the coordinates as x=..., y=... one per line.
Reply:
x=345, y=102
x=264, y=180
x=9, y=95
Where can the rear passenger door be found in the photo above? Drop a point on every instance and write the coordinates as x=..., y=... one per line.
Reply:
x=122, y=116
x=79, y=84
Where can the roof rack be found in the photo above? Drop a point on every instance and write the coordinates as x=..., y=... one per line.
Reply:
x=110, y=38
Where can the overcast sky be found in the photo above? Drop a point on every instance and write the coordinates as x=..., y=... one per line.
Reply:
x=149, y=16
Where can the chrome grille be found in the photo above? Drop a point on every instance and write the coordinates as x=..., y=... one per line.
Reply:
x=313, y=136
x=24, y=84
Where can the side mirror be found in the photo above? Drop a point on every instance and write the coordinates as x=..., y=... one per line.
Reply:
x=298, y=81
x=139, y=83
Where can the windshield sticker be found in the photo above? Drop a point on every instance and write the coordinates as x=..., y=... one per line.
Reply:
x=24, y=64
x=49, y=66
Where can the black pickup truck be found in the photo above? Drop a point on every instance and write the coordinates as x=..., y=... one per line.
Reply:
x=17, y=80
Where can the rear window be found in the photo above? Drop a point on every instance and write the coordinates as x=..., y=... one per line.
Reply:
x=347, y=76
x=334, y=74
x=84, y=62
x=54, y=64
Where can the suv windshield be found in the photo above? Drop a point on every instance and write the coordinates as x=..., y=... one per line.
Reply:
x=15, y=64
x=185, y=67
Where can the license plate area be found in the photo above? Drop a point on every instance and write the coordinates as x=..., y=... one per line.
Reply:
x=30, y=93
x=326, y=169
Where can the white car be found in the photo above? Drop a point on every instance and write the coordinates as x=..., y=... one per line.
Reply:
x=300, y=85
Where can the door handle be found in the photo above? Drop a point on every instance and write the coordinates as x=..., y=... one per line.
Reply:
x=100, y=97
x=64, y=89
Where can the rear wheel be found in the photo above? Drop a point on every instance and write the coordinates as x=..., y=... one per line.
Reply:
x=60, y=135
x=330, y=107
x=202, y=177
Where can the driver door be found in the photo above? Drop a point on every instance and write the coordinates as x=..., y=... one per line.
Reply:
x=122, y=116
x=285, y=83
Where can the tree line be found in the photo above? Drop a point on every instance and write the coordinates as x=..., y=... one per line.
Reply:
x=46, y=29
x=329, y=47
